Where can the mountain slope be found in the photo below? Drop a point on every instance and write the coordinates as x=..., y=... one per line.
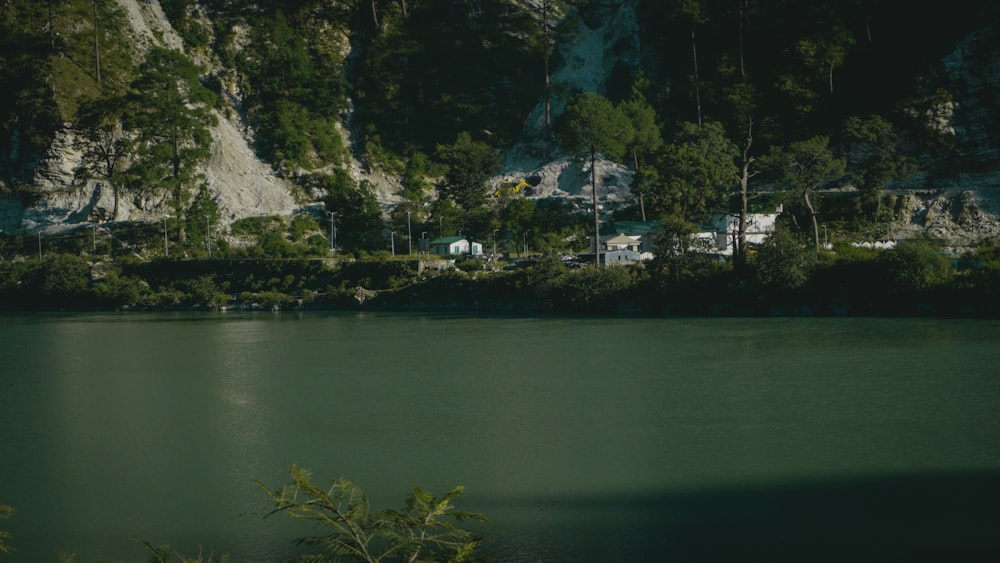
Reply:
x=959, y=206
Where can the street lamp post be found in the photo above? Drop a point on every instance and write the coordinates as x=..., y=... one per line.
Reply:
x=392, y=239
x=333, y=231
x=495, y=243
x=409, y=236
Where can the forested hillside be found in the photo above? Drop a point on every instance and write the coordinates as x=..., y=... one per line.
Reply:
x=393, y=112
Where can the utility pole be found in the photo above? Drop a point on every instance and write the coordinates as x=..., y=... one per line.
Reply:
x=166, y=251
x=333, y=234
x=409, y=235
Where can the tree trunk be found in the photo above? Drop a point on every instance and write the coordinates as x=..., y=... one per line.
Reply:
x=831, y=76
x=179, y=190
x=97, y=46
x=743, y=72
x=375, y=14
x=812, y=215
x=548, y=50
x=740, y=254
x=116, y=191
x=597, y=220
x=52, y=28
x=635, y=168
x=697, y=86
x=548, y=94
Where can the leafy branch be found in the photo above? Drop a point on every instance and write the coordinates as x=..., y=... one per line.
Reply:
x=424, y=530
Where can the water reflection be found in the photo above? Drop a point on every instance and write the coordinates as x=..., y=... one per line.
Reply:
x=581, y=439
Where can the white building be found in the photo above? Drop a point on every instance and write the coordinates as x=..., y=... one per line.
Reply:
x=721, y=234
x=448, y=246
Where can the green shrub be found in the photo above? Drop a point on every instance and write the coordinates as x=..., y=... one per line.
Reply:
x=915, y=265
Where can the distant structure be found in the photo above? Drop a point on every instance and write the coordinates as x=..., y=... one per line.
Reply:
x=455, y=245
x=720, y=236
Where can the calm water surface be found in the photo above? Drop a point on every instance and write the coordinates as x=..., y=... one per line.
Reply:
x=580, y=439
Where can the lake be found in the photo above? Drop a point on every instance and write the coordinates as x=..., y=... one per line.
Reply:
x=581, y=439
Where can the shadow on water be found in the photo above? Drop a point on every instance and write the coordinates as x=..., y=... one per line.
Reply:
x=912, y=517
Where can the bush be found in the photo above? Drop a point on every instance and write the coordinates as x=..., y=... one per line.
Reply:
x=914, y=266
x=783, y=262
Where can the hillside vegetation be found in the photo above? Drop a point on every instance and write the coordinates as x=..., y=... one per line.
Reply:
x=392, y=121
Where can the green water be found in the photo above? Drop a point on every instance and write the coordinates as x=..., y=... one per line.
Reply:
x=581, y=439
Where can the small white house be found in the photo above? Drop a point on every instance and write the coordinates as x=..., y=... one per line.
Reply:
x=720, y=236
x=454, y=245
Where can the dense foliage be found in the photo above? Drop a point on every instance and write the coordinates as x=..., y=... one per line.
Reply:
x=783, y=276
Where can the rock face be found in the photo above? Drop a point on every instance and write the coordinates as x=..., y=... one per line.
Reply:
x=961, y=204
x=241, y=183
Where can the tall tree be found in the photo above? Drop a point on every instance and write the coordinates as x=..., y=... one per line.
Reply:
x=104, y=146
x=804, y=166
x=646, y=139
x=97, y=45
x=697, y=168
x=354, y=209
x=874, y=157
x=171, y=115
x=592, y=125
x=550, y=11
x=742, y=99
x=470, y=166
x=827, y=51
x=692, y=12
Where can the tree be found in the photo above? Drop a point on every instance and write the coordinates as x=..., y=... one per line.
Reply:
x=354, y=207
x=744, y=175
x=471, y=164
x=805, y=165
x=783, y=261
x=692, y=12
x=827, y=50
x=170, y=114
x=671, y=264
x=550, y=12
x=646, y=139
x=591, y=125
x=873, y=157
x=202, y=217
x=914, y=266
x=423, y=530
x=741, y=97
x=697, y=169
x=105, y=147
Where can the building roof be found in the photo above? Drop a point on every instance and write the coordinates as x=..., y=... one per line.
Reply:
x=631, y=228
x=447, y=240
x=620, y=238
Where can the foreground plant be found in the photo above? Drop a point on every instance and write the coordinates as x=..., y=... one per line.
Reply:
x=5, y=512
x=424, y=530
